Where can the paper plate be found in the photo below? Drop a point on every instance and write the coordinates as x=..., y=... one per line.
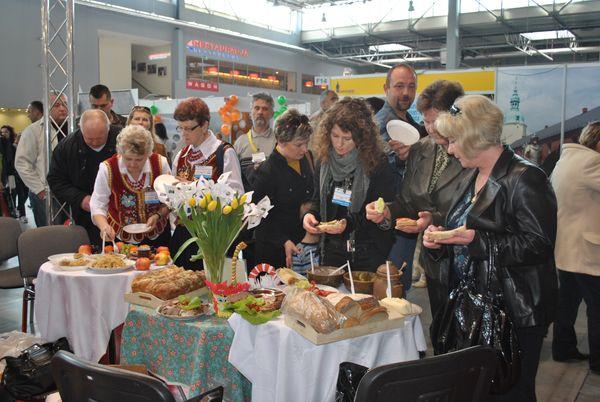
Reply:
x=402, y=132
x=56, y=258
x=159, y=185
x=136, y=228
x=108, y=271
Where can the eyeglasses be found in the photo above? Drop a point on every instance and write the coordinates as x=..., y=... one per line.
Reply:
x=454, y=110
x=186, y=129
x=144, y=108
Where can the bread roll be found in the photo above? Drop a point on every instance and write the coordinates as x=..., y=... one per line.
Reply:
x=373, y=315
x=348, y=307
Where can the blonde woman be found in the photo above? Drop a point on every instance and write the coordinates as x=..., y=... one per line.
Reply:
x=142, y=116
x=124, y=194
x=509, y=201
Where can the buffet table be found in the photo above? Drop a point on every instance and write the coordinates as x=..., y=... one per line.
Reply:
x=83, y=306
x=284, y=366
x=192, y=354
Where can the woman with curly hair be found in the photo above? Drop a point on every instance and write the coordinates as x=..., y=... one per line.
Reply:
x=142, y=116
x=352, y=172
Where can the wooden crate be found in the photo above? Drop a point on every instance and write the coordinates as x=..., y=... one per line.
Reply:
x=343, y=333
x=148, y=300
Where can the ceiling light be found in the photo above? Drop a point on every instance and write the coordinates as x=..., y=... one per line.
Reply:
x=388, y=47
x=545, y=35
x=411, y=8
x=323, y=19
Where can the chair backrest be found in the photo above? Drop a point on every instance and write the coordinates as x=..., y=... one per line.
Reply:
x=35, y=245
x=10, y=229
x=81, y=381
x=462, y=376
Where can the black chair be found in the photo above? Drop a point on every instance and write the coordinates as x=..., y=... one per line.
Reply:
x=81, y=381
x=10, y=230
x=462, y=376
x=34, y=246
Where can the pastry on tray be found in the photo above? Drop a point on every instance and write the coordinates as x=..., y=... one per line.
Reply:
x=168, y=283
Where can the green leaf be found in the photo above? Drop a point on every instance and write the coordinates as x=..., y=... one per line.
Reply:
x=184, y=246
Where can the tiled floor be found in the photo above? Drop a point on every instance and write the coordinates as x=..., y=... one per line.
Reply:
x=556, y=382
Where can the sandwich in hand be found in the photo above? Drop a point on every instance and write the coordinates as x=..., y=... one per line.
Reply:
x=405, y=222
x=323, y=225
x=445, y=234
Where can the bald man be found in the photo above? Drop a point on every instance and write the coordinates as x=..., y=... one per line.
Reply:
x=75, y=163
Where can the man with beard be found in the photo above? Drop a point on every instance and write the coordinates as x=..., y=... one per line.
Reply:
x=254, y=147
x=400, y=89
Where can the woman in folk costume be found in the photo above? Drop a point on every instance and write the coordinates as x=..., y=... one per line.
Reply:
x=203, y=155
x=124, y=194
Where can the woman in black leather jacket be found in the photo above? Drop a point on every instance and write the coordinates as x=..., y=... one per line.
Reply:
x=510, y=200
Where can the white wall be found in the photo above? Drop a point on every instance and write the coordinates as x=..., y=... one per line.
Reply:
x=160, y=85
x=114, y=57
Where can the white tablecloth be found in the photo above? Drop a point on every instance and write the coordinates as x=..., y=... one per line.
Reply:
x=284, y=366
x=82, y=306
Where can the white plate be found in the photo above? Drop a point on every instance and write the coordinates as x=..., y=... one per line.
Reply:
x=129, y=264
x=56, y=258
x=178, y=318
x=328, y=288
x=159, y=185
x=136, y=228
x=402, y=132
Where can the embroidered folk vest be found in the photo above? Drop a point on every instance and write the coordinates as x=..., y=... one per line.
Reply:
x=189, y=159
x=127, y=201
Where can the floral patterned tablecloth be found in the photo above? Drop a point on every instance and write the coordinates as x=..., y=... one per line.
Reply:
x=192, y=353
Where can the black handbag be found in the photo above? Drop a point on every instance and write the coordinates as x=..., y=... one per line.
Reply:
x=471, y=318
x=30, y=374
x=349, y=376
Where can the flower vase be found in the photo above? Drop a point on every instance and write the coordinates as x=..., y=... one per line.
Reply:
x=213, y=270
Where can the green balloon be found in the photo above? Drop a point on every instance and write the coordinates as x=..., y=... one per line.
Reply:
x=153, y=110
x=281, y=100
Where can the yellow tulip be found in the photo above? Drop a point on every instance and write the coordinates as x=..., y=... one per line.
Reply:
x=192, y=202
x=234, y=203
x=212, y=205
x=243, y=199
x=208, y=197
x=202, y=202
x=227, y=210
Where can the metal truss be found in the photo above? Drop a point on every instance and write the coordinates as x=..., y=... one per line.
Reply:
x=57, y=73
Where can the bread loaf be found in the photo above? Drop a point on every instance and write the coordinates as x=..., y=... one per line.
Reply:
x=312, y=310
x=348, y=307
x=168, y=283
x=375, y=314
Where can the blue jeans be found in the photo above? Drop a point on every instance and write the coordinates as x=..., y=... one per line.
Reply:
x=402, y=251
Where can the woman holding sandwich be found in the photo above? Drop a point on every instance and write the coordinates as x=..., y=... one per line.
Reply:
x=352, y=173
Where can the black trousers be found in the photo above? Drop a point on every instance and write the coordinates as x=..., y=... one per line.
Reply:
x=530, y=342
x=573, y=288
x=364, y=258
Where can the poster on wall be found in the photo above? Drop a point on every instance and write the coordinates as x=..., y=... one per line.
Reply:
x=582, y=102
x=151, y=68
x=141, y=67
x=162, y=71
x=528, y=102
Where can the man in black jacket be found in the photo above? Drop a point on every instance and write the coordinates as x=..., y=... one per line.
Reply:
x=75, y=163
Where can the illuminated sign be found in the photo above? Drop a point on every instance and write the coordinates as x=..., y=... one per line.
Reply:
x=200, y=85
x=212, y=49
x=159, y=56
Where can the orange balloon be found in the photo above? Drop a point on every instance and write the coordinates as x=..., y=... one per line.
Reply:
x=233, y=99
x=227, y=107
x=222, y=111
x=225, y=129
x=235, y=115
x=226, y=118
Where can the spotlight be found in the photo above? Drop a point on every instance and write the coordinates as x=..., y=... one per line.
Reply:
x=411, y=8
x=323, y=19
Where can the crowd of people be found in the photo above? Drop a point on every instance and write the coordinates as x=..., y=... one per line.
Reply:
x=334, y=167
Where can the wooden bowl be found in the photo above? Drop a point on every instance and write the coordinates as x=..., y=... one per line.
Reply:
x=361, y=286
x=323, y=276
x=274, y=295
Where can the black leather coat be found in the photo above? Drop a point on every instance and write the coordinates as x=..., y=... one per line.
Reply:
x=518, y=206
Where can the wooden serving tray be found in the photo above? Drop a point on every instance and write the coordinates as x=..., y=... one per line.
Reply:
x=343, y=333
x=148, y=300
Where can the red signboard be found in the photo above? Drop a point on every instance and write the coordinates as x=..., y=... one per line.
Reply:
x=200, y=85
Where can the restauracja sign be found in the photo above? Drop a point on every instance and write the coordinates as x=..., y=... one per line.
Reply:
x=212, y=49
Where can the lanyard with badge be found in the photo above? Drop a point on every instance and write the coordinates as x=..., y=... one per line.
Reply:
x=150, y=197
x=342, y=196
x=257, y=157
x=203, y=171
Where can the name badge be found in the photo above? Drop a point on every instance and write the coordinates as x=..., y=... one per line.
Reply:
x=151, y=197
x=259, y=157
x=203, y=171
x=342, y=197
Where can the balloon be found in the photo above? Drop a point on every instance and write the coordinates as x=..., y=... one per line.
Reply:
x=157, y=119
x=226, y=118
x=235, y=115
x=225, y=129
x=281, y=100
x=227, y=107
x=153, y=110
x=233, y=99
x=242, y=124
